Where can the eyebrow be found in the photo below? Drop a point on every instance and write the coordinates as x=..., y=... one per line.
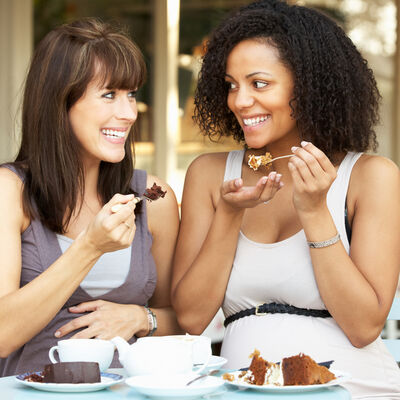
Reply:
x=252, y=74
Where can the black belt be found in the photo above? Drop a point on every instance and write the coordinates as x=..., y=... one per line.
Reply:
x=275, y=308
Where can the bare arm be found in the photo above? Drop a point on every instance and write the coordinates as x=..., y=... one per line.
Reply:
x=104, y=319
x=40, y=300
x=163, y=218
x=358, y=289
x=211, y=219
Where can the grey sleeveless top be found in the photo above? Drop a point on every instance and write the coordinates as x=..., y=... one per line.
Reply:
x=40, y=249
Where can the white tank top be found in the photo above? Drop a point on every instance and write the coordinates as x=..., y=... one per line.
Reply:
x=109, y=272
x=290, y=257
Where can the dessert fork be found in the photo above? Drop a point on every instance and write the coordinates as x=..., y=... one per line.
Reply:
x=214, y=371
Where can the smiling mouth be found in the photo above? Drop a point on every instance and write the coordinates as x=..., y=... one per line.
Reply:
x=255, y=121
x=113, y=133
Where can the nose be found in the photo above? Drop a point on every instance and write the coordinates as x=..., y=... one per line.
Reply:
x=243, y=98
x=126, y=109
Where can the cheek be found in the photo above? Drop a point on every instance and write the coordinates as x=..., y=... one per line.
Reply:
x=230, y=102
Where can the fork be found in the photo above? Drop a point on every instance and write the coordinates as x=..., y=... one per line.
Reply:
x=214, y=371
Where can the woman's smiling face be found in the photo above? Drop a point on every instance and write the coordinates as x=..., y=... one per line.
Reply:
x=101, y=120
x=260, y=89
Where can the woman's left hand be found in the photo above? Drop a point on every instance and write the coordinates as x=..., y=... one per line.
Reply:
x=312, y=173
x=104, y=320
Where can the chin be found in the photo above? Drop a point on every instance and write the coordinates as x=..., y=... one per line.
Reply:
x=114, y=158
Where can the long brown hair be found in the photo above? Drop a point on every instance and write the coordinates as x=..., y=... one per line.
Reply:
x=63, y=65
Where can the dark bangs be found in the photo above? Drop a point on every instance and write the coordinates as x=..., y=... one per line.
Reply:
x=122, y=64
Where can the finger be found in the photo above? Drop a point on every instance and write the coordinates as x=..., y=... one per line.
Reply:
x=88, y=333
x=296, y=176
x=309, y=161
x=320, y=156
x=118, y=200
x=73, y=325
x=231, y=186
x=302, y=168
x=85, y=307
x=272, y=186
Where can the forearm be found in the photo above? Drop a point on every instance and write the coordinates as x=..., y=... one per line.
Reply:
x=346, y=292
x=200, y=292
x=167, y=323
x=40, y=300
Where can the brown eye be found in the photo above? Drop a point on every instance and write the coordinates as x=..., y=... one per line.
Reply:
x=260, y=84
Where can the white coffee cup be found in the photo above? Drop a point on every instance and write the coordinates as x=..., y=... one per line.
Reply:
x=95, y=350
x=201, y=347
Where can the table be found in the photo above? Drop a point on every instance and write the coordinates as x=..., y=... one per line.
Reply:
x=10, y=389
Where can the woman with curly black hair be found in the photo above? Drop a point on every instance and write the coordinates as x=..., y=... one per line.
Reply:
x=309, y=241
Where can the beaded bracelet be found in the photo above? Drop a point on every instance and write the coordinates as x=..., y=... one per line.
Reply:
x=152, y=320
x=324, y=243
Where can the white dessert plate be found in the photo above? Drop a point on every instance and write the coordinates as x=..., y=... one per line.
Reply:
x=341, y=377
x=174, y=386
x=106, y=381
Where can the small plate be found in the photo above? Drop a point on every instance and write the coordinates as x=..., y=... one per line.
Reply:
x=341, y=377
x=106, y=381
x=174, y=386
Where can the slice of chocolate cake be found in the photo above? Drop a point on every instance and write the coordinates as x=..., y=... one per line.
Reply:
x=72, y=372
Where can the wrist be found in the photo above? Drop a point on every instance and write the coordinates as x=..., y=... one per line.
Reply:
x=149, y=322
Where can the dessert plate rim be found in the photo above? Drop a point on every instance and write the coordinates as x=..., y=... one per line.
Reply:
x=341, y=377
x=107, y=379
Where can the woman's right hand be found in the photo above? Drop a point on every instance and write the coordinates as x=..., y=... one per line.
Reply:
x=238, y=196
x=110, y=231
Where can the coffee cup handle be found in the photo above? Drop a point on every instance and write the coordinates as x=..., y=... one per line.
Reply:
x=51, y=354
x=200, y=368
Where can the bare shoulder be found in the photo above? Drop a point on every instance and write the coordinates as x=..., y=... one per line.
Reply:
x=375, y=176
x=207, y=169
x=164, y=209
x=375, y=169
x=11, y=198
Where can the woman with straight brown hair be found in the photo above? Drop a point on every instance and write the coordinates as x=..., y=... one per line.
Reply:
x=73, y=264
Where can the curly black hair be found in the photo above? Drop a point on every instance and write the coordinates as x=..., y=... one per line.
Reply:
x=335, y=97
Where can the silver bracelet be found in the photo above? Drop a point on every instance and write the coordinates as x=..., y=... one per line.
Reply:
x=152, y=321
x=324, y=243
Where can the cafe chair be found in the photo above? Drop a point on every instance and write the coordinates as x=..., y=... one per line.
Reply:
x=392, y=340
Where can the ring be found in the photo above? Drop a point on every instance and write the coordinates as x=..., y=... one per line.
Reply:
x=129, y=227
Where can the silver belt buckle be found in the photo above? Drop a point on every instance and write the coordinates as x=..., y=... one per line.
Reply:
x=259, y=313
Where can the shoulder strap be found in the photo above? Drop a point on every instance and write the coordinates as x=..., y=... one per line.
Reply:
x=233, y=167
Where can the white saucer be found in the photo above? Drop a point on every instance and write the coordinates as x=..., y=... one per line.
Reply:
x=174, y=386
x=106, y=381
x=214, y=363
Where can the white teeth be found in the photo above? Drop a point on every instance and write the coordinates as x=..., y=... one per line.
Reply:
x=111, y=132
x=254, y=121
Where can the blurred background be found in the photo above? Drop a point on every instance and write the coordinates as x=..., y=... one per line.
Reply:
x=171, y=34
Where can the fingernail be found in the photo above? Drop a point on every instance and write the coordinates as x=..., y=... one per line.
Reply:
x=281, y=184
x=237, y=182
x=264, y=180
x=278, y=177
x=57, y=334
x=294, y=148
x=304, y=143
x=272, y=175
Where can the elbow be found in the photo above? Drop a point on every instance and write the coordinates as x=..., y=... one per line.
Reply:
x=6, y=350
x=193, y=326
x=362, y=338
